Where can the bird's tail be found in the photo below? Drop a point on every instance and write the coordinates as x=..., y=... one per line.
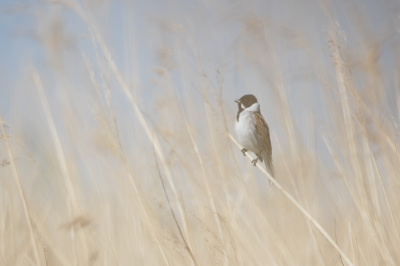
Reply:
x=270, y=168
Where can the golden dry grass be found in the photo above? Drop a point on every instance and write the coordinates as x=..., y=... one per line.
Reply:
x=110, y=161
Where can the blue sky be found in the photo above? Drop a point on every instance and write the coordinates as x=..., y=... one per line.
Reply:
x=136, y=30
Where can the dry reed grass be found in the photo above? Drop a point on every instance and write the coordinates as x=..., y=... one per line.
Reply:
x=108, y=159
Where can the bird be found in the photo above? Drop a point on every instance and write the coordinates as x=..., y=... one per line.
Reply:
x=253, y=132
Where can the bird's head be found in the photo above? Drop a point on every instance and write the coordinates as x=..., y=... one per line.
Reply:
x=246, y=101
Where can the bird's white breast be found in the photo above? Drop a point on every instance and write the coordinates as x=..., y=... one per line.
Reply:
x=246, y=131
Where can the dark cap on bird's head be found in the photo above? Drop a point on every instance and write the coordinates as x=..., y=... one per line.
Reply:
x=247, y=100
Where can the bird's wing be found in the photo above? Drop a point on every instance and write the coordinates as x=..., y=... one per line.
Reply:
x=263, y=131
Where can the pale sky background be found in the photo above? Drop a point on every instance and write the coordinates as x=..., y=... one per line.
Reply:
x=136, y=30
x=215, y=26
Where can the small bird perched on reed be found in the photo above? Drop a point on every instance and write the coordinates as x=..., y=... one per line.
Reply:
x=253, y=132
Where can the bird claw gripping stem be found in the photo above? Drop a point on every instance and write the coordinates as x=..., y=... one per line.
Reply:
x=254, y=162
x=244, y=151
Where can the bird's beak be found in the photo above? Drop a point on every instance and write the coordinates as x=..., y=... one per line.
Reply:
x=237, y=101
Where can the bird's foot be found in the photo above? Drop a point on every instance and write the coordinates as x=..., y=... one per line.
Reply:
x=244, y=151
x=256, y=159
